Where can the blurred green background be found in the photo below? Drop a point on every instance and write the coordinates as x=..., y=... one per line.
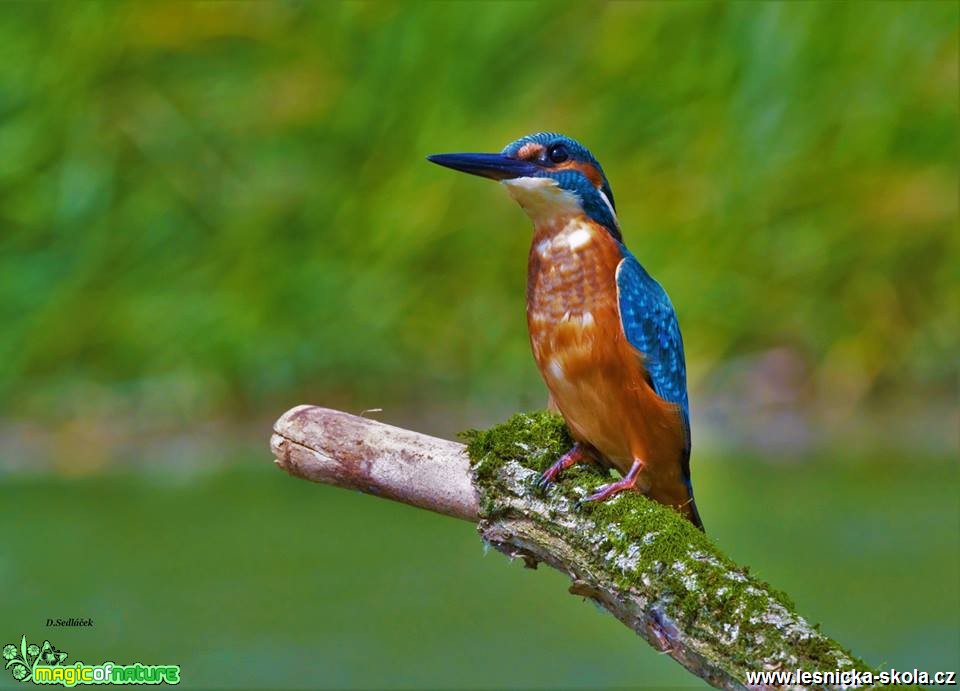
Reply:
x=212, y=212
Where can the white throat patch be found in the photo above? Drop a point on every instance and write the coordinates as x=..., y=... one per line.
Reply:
x=542, y=198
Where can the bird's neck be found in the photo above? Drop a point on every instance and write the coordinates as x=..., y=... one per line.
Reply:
x=571, y=237
x=563, y=236
x=550, y=205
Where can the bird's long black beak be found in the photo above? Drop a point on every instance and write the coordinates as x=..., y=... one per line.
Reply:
x=494, y=166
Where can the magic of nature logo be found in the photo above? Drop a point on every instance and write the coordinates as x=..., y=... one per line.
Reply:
x=44, y=664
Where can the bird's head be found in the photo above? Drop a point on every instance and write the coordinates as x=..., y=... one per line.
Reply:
x=552, y=177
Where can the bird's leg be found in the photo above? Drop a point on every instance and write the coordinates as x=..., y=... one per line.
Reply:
x=575, y=455
x=629, y=481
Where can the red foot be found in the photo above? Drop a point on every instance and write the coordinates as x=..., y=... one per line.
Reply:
x=629, y=481
x=571, y=457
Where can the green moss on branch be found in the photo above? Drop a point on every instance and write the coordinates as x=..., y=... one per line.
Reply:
x=634, y=553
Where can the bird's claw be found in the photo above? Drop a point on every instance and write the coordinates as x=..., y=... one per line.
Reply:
x=614, y=488
x=549, y=476
x=597, y=496
x=546, y=479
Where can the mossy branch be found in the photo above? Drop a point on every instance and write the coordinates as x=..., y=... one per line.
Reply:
x=641, y=561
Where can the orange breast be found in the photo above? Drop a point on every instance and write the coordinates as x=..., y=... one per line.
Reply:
x=595, y=377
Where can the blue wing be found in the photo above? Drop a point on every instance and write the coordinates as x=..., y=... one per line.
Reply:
x=650, y=324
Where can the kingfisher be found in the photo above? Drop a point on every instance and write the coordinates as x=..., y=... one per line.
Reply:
x=604, y=333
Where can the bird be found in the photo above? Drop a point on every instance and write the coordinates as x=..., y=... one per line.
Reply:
x=604, y=334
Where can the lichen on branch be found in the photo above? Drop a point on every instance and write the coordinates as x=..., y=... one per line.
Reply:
x=642, y=561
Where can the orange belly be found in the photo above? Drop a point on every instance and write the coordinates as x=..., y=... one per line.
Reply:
x=595, y=377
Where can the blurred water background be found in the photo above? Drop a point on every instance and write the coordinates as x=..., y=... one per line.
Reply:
x=212, y=212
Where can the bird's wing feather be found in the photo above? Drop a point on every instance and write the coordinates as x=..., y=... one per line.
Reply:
x=650, y=324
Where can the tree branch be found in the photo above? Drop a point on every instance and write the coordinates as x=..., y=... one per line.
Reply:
x=641, y=561
x=353, y=452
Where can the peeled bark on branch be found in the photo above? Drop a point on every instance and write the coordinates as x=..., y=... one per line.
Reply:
x=641, y=561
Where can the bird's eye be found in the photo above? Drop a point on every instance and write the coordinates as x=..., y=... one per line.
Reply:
x=558, y=153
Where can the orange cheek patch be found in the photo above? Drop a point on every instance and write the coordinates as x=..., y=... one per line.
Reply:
x=530, y=151
x=588, y=169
